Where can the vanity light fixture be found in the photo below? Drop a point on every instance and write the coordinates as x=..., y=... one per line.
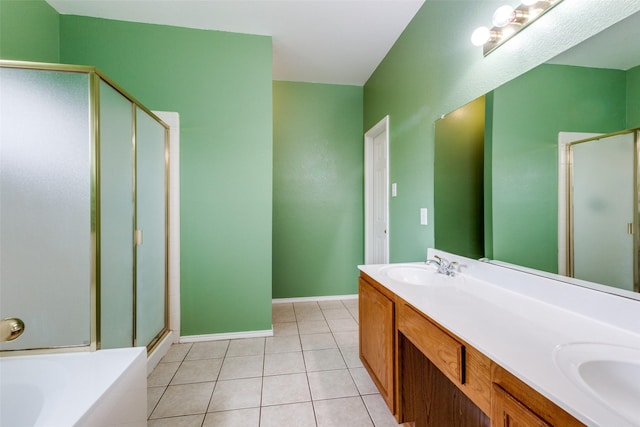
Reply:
x=508, y=21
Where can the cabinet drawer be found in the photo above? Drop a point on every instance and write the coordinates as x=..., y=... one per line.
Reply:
x=444, y=351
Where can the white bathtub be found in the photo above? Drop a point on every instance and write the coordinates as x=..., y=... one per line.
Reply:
x=96, y=389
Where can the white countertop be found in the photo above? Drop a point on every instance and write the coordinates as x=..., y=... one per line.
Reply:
x=519, y=320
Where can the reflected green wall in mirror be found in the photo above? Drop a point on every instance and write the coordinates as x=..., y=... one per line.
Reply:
x=458, y=180
x=528, y=113
x=633, y=97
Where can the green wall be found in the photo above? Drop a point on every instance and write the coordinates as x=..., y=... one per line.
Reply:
x=29, y=31
x=220, y=83
x=633, y=97
x=459, y=180
x=528, y=113
x=317, y=189
x=415, y=84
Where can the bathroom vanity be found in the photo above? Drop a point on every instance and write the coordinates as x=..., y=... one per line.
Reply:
x=493, y=346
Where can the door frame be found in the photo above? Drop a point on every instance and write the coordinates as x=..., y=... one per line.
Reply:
x=381, y=127
x=172, y=119
x=564, y=238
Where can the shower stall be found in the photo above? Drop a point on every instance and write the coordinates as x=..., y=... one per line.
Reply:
x=83, y=211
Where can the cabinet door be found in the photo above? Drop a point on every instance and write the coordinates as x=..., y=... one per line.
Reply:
x=376, y=313
x=509, y=412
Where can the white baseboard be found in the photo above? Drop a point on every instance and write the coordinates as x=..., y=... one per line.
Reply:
x=227, y=336
x=159, y=351
x=312, y=299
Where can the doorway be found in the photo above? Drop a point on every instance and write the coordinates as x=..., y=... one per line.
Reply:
x=376, y=193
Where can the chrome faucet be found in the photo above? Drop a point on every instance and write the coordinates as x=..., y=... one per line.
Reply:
x=444, y=266
x=10, y=329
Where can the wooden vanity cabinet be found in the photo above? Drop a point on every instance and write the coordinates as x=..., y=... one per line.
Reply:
x=515, y=404
x=429, y=377
x=376, y=312
x=507, y=411
x=463, y=366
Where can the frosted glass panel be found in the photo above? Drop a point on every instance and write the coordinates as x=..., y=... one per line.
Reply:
x=45, y=216
x=603, y=207
x=116, y=198
x=150, y=275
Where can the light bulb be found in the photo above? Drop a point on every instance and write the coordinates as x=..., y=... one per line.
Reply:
x=504, y=16
x=480, y=36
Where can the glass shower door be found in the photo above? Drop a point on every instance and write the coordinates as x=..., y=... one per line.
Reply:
x=603, y=210
x=116, y=218
x=151, y=271
x=46, y=222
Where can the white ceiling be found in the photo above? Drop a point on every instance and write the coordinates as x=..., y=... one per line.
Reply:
x=320, y=41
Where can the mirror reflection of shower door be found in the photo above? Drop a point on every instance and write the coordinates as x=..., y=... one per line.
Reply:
x=603, y=209
x=151, y=303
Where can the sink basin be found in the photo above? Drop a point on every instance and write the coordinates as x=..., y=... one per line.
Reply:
x=415, y=274
x=610, y=373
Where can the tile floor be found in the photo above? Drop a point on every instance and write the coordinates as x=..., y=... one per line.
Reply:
x=307, y=374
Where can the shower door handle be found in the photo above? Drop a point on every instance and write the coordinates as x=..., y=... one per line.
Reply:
x=10, y=329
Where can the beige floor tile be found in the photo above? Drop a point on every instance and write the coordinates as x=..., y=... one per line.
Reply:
x=306, y=306
x=342, y=412
x=246, y=347
x=236, y=418
x=346, y=339
x=323, y=360
x=313, y=327
x=285, y=329
x=236, y=394
x=185, y=421
x=337, y=313
x=363, y=381
x=176, y=353
x=331, y=384
x=187, y=399
x=283, y=363
x=197, y=371
x=241, y=367
x=310, y=315
x=379, y=411
x=330, y=305
x=350, y=303
x=351, y=356
x=208, y=350
x=285, y=344
x=282, y=389
x=281, y=307
x=318, y=341
x=153, y=397
x=354, y=313
x=342, y=325
x=162, y=374
x=292, y=415
x=283, y=316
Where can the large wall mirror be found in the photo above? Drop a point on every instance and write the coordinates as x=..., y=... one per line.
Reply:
x=592, y=89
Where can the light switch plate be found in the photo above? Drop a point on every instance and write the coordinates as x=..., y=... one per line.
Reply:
x=394, y=189
x=424, y=218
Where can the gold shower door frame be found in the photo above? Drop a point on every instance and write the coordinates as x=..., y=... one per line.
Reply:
x=95, y=76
